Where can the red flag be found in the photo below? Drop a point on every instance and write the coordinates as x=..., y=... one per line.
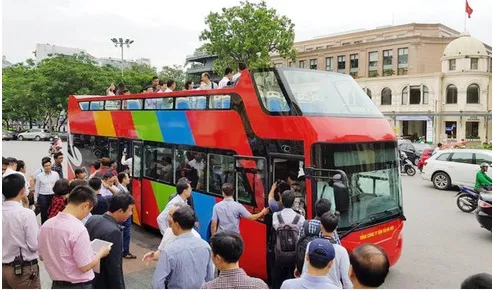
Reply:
x=468, y=9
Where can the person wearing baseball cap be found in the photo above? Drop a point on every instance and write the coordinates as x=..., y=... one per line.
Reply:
x=320, y=258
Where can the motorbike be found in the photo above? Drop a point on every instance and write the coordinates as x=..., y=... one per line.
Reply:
x=406, y=165
x=467, y=199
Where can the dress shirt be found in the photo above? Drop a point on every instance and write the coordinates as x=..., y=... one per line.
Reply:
x=44, y=183
x=19, y=232
x=169, y=237
x=105, y=227
x=105, y=192
x=288, y=215
x=58, y=169
x=162, y=219
x=168, y=90
x=309, y=282
x=235, y=279
x=64, y=246
x=186, y=263
x=122, y=188
x=228, y=214
x=339, y=272
x=236, y=76
x=127, y=162
x=223, y=82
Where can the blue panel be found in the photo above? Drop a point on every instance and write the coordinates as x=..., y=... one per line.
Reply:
x=175, y=128
x=203, y=209
x=182, y=105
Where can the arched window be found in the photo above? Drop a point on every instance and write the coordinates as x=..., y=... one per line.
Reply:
x=473, y=94
x=405, y=95
x=368, y=92
x=425, y=94
x=386, y=97
x=451, y=94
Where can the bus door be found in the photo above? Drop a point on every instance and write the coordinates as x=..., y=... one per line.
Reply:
x=251, y=191
x=136, y=170
x=114, y=149
x=284, y=165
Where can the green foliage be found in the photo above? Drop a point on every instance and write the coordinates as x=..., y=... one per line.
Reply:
x=175, y=73
x=247, y=33
x=388, y=72
x=39, y=91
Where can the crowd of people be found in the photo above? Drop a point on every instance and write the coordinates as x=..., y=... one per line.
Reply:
x=305, y=253
x=160, y=86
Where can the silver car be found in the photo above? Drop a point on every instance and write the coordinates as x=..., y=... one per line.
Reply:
x=35, y=134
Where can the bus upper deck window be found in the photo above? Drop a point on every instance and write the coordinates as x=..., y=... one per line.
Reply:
x=270, y=92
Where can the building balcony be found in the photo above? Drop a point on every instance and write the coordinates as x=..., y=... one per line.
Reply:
x=200, y=68
x=200, y=57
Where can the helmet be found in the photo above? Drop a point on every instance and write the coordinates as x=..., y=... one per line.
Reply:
x=484, y=164
x=56, y=138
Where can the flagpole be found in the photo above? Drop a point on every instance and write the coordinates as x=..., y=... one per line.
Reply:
x=465, y=20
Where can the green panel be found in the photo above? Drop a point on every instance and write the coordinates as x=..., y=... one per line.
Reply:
x=162, y=192
x=147, y=126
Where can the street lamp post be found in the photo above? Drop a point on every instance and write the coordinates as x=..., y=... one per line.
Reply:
x=121, y=43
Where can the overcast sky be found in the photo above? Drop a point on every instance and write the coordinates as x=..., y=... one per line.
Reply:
x=166, y=31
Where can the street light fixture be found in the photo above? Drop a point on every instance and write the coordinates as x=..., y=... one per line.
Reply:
x=121, y=43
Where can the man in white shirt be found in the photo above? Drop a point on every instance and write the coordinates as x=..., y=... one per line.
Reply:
x=11, y=168
x=43, y=190
x=168, y=238
x=206, y=83
x=228, y=76
x=19, y=237
x=288, y=214
x=199, y=165
x=108, y=188
x=439, y=147
x=170, y=86
x=184, y=191
x=241, y=67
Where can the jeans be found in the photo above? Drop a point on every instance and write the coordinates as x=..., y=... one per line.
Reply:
x=67, y=285
x=44, y=202
x=126, y=236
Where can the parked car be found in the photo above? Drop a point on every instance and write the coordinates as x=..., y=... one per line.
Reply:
x=455, y=167
x=35, y=134
x=7, y=135
x=483, y=213
x=413, y=150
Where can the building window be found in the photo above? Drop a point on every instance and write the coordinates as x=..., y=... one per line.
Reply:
x=290, y=64
x=353, y=62
x=425, y=95
x=328, y=64
x=372, y=64
x=402, y=61
x=472, y=130
x=158, y=162
x=313, y=63
x=473, y=94
x=414, y=95
x=387, y=63
x=451, y=94
x=386, y=97
x=302, y=64
x=368, y=92
x=451, y=130
x=474, y=63
x=405, y=95
x=341, y=64
x=451, y=64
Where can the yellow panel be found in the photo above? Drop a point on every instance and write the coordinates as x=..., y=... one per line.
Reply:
x=104, y=124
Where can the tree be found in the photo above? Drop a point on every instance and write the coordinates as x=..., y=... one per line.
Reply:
x=175, y=73
x=248, y=33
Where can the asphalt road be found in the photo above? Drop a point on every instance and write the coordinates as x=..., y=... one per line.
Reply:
x=442, y=245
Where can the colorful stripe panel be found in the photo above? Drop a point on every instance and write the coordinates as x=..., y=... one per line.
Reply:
x=147, y=126
x=175, y=127
x=104, y=124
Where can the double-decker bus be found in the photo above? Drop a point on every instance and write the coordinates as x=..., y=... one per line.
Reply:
x=320, y=125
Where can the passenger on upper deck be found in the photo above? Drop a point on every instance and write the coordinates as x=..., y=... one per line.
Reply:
x=188, y=86
x=155, y=83
x=206, y=83
x=226, y=80
x=170, y=86
x=161, y=87
x=241, y=67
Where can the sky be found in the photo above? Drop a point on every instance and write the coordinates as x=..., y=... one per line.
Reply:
x=167, y=31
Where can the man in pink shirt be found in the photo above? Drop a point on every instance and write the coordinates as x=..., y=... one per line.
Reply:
x=64, y=244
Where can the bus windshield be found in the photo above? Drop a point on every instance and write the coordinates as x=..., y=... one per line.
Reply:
x=371, y=177
x=319, y=93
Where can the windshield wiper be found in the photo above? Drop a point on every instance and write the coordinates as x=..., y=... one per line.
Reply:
x=369, y=219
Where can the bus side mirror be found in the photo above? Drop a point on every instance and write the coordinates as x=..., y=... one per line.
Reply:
x=341, y=196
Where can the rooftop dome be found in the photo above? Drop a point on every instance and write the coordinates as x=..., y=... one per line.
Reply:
x=465, y=45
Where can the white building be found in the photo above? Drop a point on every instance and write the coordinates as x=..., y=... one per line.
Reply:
x=46, y=50
x=450, y=105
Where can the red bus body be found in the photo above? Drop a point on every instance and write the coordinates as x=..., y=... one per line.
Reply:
x=227, y=130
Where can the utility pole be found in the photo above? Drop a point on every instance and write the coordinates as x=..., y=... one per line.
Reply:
x=121, y=43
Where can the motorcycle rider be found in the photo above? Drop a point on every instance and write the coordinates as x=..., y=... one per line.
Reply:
x=56, y=145
x=483, y=181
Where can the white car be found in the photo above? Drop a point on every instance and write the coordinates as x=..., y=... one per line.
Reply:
x=35, y=134
x=455, y=167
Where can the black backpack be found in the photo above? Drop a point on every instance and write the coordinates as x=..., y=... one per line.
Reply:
x=302, y=244
x=286, y=237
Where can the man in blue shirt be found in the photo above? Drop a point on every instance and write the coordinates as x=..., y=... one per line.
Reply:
x=186, y=263
x=227, y=213
x=319, y=259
